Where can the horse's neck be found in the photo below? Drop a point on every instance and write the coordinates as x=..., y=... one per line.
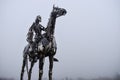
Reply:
x=51, y=25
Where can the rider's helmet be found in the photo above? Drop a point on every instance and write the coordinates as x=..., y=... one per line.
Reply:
x=38, y=18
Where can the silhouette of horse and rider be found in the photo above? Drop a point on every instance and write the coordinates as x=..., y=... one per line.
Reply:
x=42, y=45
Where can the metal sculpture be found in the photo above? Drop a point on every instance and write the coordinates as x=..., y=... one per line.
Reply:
x=43, y=46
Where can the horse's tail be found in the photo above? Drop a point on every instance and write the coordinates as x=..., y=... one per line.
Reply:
x=55, y=59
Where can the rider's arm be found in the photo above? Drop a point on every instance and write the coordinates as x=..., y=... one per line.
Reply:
x=42, y=28
x=30, y=34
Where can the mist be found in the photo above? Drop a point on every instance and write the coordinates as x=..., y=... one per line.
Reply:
x=88, y=37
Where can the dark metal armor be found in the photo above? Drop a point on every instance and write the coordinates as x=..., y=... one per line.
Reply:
x=37, y=29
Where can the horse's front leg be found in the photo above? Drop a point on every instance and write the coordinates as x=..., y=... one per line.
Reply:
x=30, y=70
x=41, y=64
x=50, y=67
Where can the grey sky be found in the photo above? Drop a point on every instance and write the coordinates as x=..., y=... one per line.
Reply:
x=88, y=37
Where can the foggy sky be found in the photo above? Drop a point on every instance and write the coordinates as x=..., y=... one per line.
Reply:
x=88, y=37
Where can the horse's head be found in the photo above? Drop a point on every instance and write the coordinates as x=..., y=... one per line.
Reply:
x=57, y=12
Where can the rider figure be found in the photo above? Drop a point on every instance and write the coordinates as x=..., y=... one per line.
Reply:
x=37, y=29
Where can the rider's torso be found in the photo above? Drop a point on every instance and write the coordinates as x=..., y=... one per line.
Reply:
x=37, y=29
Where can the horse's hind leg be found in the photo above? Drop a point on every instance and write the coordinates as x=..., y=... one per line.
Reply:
x=50, y=67
x=23, y=66
x=30, y=70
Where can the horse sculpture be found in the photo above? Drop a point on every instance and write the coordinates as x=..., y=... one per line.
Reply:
x=46, y=47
